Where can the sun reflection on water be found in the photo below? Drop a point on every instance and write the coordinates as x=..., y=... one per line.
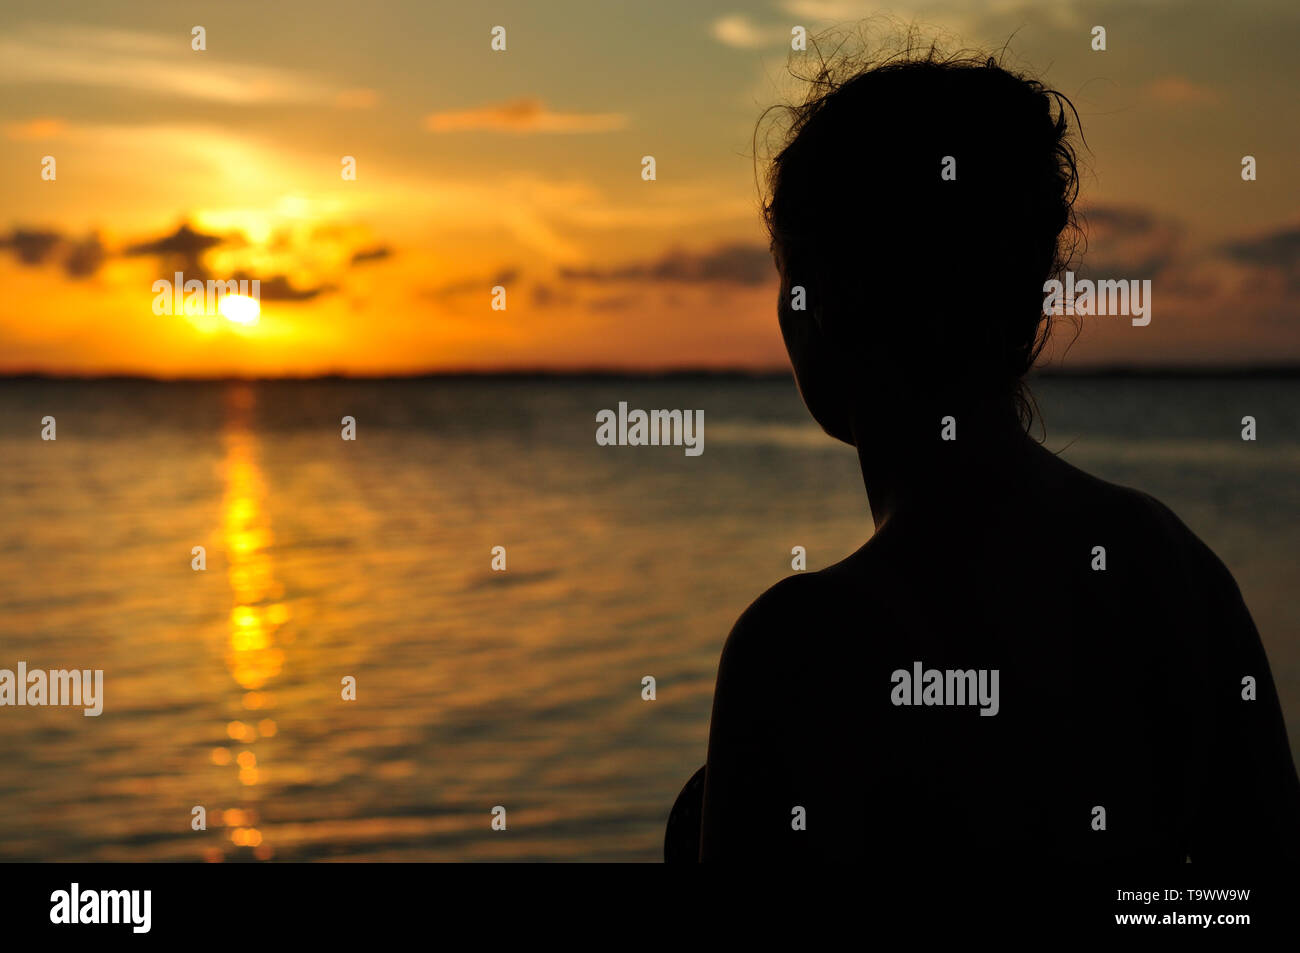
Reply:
x=253, y=652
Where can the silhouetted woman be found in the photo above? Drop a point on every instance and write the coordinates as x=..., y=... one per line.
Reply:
x=970, y=682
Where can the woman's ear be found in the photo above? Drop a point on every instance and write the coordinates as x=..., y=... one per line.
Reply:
x=819, y=369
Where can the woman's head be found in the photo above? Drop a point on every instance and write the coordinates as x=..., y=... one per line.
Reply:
x=920, y=203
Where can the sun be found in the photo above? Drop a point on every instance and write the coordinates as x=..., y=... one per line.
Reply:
x=240, y=309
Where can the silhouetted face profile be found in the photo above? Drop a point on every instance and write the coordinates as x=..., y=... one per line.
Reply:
x=915, y=212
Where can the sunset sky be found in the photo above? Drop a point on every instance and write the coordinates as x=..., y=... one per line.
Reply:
x=523, y=168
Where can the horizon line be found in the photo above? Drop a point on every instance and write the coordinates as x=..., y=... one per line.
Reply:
x=1281, y=369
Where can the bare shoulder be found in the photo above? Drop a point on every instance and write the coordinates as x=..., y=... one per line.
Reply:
x=1145, y=519
x=782, y=627
x=761, y=636
x=1160, y=527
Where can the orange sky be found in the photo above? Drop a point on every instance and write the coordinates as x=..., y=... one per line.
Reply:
x=522, y=169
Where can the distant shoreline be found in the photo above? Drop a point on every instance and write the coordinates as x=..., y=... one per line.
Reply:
x=1283, y=371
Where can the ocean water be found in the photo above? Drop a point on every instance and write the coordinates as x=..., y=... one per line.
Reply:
x=371, y=559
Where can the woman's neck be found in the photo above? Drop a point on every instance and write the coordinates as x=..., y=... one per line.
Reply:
x=930, y=460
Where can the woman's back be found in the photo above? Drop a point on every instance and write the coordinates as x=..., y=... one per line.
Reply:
x=975, y=681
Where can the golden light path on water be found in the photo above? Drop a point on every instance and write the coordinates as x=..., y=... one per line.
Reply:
x=253, y=653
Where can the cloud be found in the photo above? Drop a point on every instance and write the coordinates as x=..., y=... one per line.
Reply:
x=1114, y=220
x=374, y=253
x=185, y=242
x=1181, y=91
x=32, y=246
x=1254, y=279
x=279, y=288
x=1129, y=241
x=455, y=289
x=1275, y=254
x=34, y=129
x=546, y=296
x=1277, y=249
x=741, y=264
x=521, y=116
x=84, y=257
x=738, y=31
x=160, y=64
x=182, y=250
x=623, y=287
x=80, y=258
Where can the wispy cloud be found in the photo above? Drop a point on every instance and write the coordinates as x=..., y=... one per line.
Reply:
x=1276, y=249
x=522, y=116
x=1130, y=239
x=185, y=242
x=279, y=288
x=163, y=65
x=465, y=286
x=741, y=264
x=373, y=253
x=739, y=31
x=35, y=129
x=1181, y=91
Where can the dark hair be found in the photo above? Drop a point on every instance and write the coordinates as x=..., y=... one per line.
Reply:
x=907, y=270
